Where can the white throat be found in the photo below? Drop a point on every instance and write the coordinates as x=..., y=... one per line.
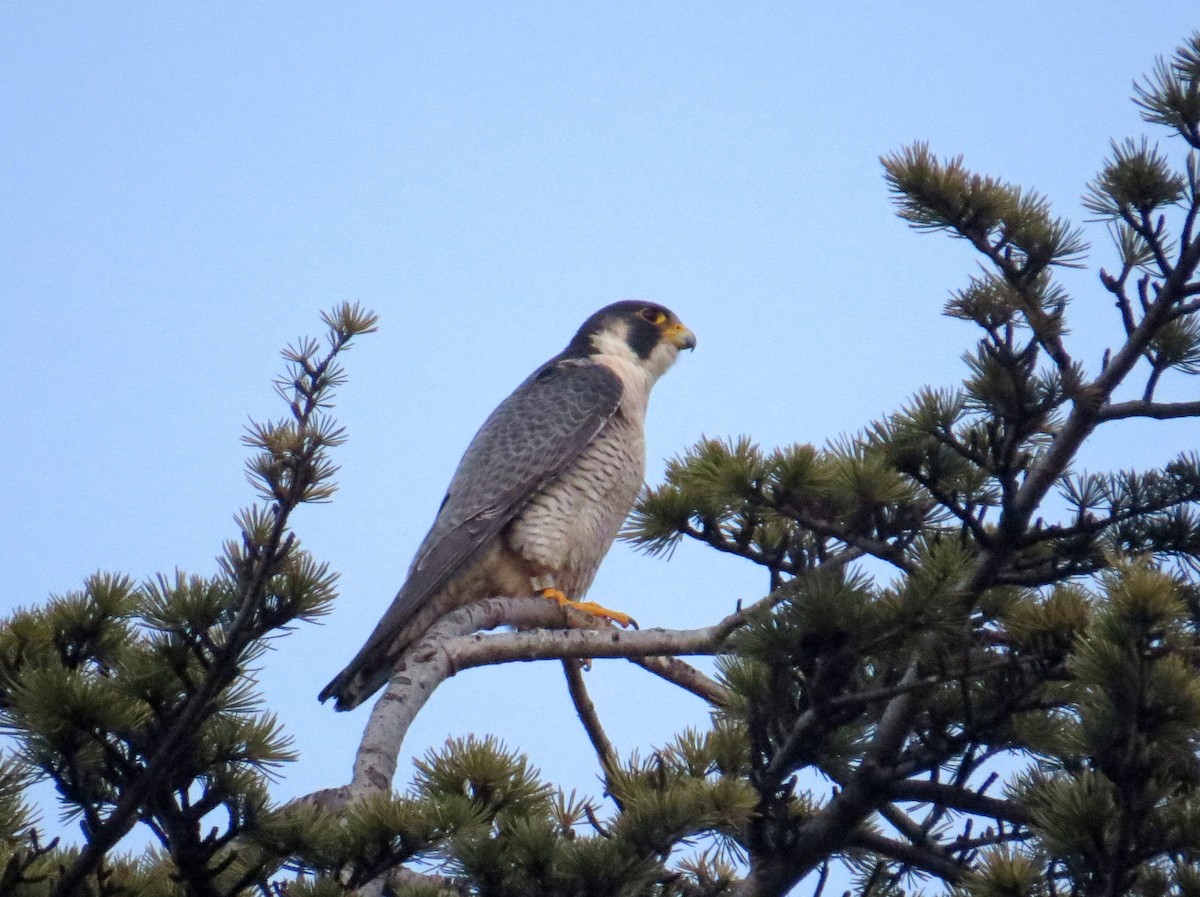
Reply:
x=637, y=374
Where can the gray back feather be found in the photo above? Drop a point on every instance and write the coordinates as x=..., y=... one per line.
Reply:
x=529, y=439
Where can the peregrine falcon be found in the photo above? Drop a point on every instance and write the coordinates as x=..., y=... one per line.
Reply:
x=541, y=491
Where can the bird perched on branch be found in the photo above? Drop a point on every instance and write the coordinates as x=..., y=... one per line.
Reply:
x=540, y=493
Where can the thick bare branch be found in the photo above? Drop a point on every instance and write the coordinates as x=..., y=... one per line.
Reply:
x=962, y=799
x=686, y=677
x=1154, y=410
x=408, y=878
x=457, y=642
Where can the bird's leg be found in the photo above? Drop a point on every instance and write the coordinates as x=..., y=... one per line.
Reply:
x=589, y=607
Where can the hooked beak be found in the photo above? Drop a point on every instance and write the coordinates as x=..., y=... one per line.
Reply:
x=681, y=337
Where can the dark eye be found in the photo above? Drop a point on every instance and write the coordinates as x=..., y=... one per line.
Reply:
x=653, y=315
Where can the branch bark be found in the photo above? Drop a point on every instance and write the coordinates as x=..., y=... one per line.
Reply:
x=926, y=858
x=687, y=677
x=831, y=828
x=1154, y=410
x=586, y=710
x=961, y=799
x=456, y=643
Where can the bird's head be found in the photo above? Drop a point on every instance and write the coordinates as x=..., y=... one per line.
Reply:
x=644, y=334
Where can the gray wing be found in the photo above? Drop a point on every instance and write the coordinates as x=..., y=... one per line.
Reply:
x=529, y=439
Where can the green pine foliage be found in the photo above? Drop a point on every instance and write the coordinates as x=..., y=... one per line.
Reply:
x=1035, y=618
x=483, y=820
x=135, y=700
x=974, y=670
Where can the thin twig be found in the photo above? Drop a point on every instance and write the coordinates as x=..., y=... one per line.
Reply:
x=586, y=710
x=927, y=858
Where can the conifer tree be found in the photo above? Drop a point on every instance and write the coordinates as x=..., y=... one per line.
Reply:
x=1011, y=708
x=134, y=700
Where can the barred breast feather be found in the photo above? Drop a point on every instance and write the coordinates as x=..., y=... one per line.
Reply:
x=571, y=522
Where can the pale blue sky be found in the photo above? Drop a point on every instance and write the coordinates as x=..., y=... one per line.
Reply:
x=184, y=187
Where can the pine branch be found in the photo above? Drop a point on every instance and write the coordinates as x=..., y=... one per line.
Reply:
x=894, y=725
x=829, y=829
x=863, y=698
x=1020, y=277
x=968, y=519
x=1152, y=410
x=799, y=741
x=916, y=833
x=713, y=537
x=1092, y=527
x=402, y=877
x=1116, y=286
x=104, y=836
x=968, y=846
x=300, y=473
x=866, y=544
x=586, y=711
x=1150, y=232
x=687, y=677
x=948, y=439
x=1085, y=415
x=455, y=644
x=927, y=859
x=958, y=798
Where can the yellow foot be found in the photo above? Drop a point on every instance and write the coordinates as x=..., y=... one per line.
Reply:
x=590, y=607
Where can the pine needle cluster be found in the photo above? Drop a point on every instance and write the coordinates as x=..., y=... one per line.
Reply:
x=1011, y=705
x=479, y=819
x=975, y=669
x=137, y=700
